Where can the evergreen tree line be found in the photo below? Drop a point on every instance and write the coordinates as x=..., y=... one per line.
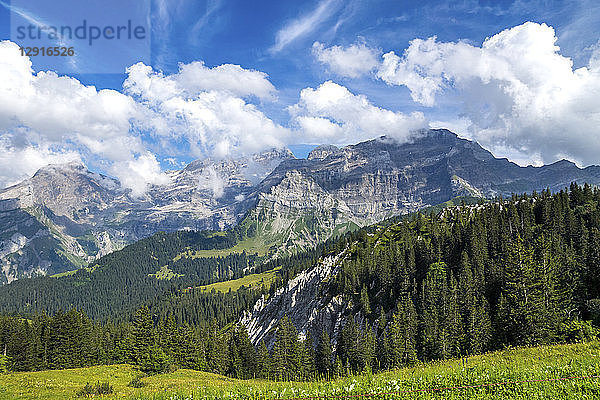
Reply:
x=471, y=279
x=71, y=340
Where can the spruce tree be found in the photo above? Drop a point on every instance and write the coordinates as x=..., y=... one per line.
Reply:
x=403, y=332
x=324, y=361
x=263, y=356
x=285, y=350
x=520, y=313
x=143, y=335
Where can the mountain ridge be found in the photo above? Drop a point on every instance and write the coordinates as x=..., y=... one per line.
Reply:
x=294, y=202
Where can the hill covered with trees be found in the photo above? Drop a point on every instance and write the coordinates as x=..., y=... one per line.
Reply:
x=457, y=282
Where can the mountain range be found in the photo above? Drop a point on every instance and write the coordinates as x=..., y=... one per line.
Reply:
x=65, y=216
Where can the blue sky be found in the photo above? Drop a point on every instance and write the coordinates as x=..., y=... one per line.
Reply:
x=242, y=32
x=281, y=39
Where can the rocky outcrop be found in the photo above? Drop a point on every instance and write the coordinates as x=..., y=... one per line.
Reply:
x=304, y=300
x=297, y=214
x=322, y=152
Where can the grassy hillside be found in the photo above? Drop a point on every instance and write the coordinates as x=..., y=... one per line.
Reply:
x=549, y=363
x=252, y=245
x=264, y=279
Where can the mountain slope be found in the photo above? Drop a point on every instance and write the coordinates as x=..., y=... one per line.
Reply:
x=82, y=216
x=380, y=178
x=458, y=271
x=289, y=204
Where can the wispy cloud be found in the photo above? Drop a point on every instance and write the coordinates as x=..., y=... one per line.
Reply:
x=32, y=19
x=304, y=24
x=160, y=26
x=41, y=24
x=212, y=6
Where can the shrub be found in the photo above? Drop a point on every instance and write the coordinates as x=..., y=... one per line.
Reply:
x=97, y=389
x=4, y=363
x=137, y=382
x=578, y=331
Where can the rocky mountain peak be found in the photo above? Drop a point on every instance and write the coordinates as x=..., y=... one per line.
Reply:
x=69, y=167
x=322, y=152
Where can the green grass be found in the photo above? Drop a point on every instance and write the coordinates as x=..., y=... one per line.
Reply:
x=546, y=362
x=253, y=245
x=89, y=268
x=66, y=273
x=251, y=280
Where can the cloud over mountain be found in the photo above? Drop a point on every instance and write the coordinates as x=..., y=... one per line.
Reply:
x=519, y=93
x=333, y=114
x=516, y=94
x=205, y=108
x=46, y=118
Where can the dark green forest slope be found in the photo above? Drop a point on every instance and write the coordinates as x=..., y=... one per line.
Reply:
x=162, y=270
x=470, y=279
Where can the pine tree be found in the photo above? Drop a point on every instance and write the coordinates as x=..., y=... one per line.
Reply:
x=338, y=367
x=263, y=361
x=439, y=318
x=285, y=350
x=242, y=353
x=369, y=349
x=364, y=300
x=520, y=315
x=217, y=353
x=143, y=335
x=402, y=334
x=324, y=362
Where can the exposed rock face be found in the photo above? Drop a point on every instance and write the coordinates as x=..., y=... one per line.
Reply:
x=65, y=216
x=304, y=301
x=297, y=213
x=322, y=152
x=380, y=178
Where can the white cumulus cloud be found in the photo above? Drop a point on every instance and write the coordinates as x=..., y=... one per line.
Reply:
x=46, y=118
x=520, y=94
x=212, y=181
x=332, y=114
x=352, y=61
x=198, y=111
x=213, y=119
x=18, y=163
x=195, y=78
